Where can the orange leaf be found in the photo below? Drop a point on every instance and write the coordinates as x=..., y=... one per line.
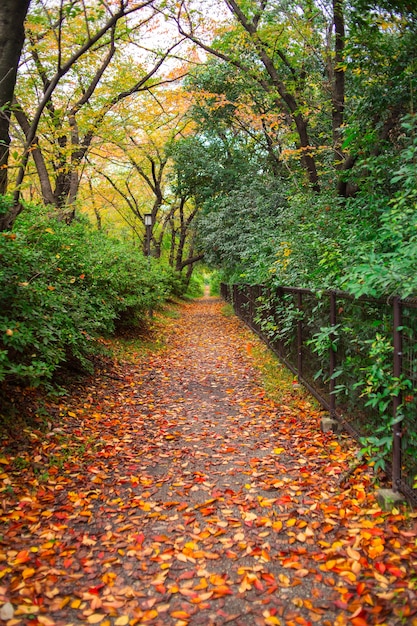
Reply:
x=28, y=572
x=395, y=571
x=222, y=590
x=22, y=557
x=180, y=615
x=149, y=615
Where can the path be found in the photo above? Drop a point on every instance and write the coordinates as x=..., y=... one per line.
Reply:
x=176, y=493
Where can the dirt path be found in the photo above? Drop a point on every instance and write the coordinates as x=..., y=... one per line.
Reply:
x=177, y=494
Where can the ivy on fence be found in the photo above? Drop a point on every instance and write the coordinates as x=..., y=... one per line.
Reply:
x=358, y=357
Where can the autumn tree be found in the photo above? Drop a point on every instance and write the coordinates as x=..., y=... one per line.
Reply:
x=70, y=72
x=132, y=168
x=293, y=52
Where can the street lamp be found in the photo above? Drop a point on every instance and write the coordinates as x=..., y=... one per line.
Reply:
x=147, y=218
x=148, y=224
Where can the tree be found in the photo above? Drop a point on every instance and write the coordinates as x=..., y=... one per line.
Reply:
x=132, y=171
x=12, y=17
x=291, y=50
x=60, y=45
x=229, y=104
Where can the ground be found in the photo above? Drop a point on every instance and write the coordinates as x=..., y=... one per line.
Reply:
x=172, y=489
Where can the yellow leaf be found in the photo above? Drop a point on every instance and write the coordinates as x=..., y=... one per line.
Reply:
x=95, y=618
x=349, y=575
x=279, y=450
x=75, y=604
x=291, y=522
x=122, y=620
x=45, y=621
x=108, y=578
x=26, y=609
x=271, y=619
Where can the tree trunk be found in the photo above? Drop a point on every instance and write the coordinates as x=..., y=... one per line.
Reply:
x=12, y=36
x=22, y=120
x=338, y=81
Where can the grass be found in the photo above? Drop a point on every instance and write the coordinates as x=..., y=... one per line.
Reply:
x=278, y=381
x=139, y=342
x=227, y=310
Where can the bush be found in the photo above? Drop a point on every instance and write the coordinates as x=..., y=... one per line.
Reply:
x=62, y=288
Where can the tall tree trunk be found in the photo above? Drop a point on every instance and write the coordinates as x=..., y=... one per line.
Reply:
x=338, y=80
x=12, y=36
x=183, y=236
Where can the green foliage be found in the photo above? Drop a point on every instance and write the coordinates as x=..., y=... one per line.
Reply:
x=195, y=288
x=326, y=339
x=277, y=316
x=62, y=288
x=379, y=386
x=215, y=278
x=387, y=266
x=237, y=229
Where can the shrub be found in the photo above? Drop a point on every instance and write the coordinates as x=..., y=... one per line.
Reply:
x=62, y=287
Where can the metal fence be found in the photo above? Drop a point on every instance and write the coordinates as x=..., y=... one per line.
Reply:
x=350, y=335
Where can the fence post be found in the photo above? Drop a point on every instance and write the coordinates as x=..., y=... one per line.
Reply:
x=300, y=335
x=397, y=427
x=332, y=365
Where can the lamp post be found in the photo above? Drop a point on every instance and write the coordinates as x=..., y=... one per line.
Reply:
x=148, y=225
x=147, y=218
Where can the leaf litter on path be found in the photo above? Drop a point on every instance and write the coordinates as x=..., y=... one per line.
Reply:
x=178, y=493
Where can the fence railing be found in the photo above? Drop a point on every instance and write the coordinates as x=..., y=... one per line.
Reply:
x=338, y=346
